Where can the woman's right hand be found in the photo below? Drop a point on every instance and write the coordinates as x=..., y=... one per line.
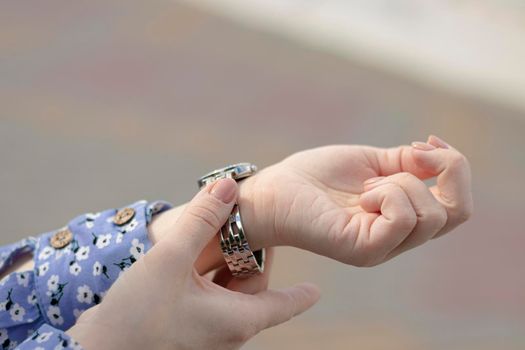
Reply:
x=161, y=302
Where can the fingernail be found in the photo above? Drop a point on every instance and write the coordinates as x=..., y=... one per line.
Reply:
x=439, y=142
x=224, y=190
x=422, y=146
x=373, y=180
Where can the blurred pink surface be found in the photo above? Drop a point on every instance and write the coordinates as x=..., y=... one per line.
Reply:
x=104, y=103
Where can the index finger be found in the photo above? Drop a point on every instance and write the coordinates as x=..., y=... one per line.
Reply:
x=453, y=187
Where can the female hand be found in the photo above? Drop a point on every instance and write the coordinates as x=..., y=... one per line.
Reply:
x=358, y=204
x=162, y=302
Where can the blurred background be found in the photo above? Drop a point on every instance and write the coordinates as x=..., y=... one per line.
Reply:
x=106, y=102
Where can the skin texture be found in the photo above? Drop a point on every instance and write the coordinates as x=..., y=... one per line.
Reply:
x=325, y=200
x=181, y=309
x=359, y=205
x=330, y=200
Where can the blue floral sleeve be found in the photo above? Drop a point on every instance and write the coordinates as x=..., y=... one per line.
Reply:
x=49, y=338
x=73, y=268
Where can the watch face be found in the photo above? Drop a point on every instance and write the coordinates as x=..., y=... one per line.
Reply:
x=236, y=171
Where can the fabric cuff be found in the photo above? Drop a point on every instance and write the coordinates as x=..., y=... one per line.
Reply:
x=49, y=338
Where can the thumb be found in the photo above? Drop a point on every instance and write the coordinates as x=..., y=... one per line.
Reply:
x=273, y=307
x=203, y=218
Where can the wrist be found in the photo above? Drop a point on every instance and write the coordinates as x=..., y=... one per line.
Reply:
x=257, y=211
x=255, y=204
x=257, y=216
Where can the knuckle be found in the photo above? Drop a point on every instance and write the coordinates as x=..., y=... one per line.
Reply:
x=465, y=213
x=458, y=160
x=437, y=215
x=406, y=177
x=406, y=218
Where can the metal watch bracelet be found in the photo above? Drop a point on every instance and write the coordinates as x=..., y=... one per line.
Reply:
x=241, y=260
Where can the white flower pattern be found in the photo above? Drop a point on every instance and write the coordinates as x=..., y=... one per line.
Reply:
x=103, y=241
x=75, y=269
x=42, y=269
x=131, y=226
x=52, y=283
x=44, y=337
x=92, y=216
x=119, y=238
x=22, y=279
x=3, y=335
x=73, y=278
x=137, y=249
x=61, y=252
x=31, y=298
x=45, y=253
x=84, y=294
x=53, y=313
x=82, y=253
x=17, y=312
x=97, y=268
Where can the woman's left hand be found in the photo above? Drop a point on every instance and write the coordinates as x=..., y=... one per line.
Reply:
x=360, y=205
x=161, y=302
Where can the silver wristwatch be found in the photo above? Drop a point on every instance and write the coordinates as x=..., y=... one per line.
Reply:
x=241, y=260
